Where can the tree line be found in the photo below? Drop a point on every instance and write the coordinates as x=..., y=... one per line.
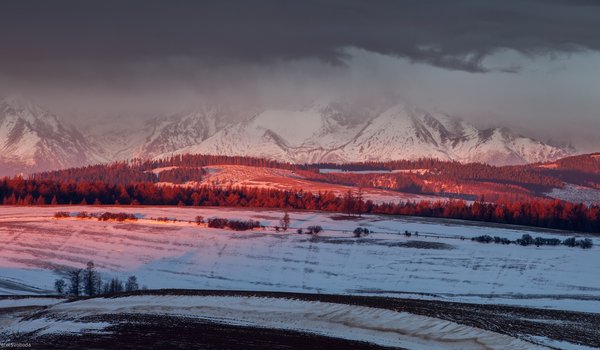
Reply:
x=177, y=169
x=527, y=239
x=88, y=282
x=546, y=213
x=425, y=176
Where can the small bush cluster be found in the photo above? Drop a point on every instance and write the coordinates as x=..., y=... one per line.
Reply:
x=538, y=241
x=360, y=231
x=527, y=239
x=585, y=243
x=501, y=240
x=310, y=230
x=314, y=229
x=237, y=225
x=489, y=239
x=217, y=223
x=106, y=216
x=483, y=239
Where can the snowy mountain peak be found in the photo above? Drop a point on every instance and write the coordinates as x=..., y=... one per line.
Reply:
x=333, y=132
x=32, y=139
x=180, y=130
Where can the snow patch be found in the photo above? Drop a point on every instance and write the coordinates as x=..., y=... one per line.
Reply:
x=378, y=326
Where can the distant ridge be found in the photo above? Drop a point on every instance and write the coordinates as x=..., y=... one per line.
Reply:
x=33, y=139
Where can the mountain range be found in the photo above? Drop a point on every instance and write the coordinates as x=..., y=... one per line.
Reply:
x=33, y=139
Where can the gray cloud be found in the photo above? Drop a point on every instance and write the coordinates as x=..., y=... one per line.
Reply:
x=138, y=59
x=451, y=34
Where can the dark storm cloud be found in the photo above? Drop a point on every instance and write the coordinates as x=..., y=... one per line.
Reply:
x=41, y=37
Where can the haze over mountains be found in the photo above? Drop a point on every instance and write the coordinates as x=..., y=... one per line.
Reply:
x=33, y=139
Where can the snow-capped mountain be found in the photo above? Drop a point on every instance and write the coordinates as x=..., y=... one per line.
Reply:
x=181, y=130
x=328, y=133
x=283, y=135
x=163, y=135
x=32, y=139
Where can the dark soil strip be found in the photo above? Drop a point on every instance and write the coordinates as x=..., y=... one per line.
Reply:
x=136, y=331
x=164, y=332
x=575, y=327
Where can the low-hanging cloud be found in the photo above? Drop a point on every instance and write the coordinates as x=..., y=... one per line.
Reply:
x=451, y=34
x=142, y=59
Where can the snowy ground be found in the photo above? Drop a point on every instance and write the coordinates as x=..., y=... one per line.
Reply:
x=407, y=171
x=288, y=180
x=36, y=249
x=258, y=320
x=440, y=264
x=374, y=325
x=576, y=194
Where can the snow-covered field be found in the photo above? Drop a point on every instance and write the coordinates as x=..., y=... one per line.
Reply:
x=378, y=326
x=36, y=249
x=406, y=171
x=576, y=194
x=289, y=180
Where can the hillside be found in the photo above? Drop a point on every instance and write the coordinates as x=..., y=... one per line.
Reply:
x=425, y=177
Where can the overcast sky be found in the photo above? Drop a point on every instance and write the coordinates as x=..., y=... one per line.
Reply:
x=530, y=64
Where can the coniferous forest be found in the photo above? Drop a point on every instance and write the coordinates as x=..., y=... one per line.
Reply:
x=545, y=213
x=510, y=194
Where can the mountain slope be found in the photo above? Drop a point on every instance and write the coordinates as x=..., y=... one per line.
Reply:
x=32, y=139
x=324, y=133
x=181, y=130
x=163, y=134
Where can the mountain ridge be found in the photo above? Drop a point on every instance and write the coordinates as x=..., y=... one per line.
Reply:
x=400, y=132
x=33, y=139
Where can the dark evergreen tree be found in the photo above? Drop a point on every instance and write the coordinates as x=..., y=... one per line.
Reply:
x=285, y=221
x=60, y=286
x=90, y=280
x=75, y=282
x=132, y=284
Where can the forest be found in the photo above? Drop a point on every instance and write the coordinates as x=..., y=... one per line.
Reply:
x=177, y=169
x=471, y=181
x=545, y=213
